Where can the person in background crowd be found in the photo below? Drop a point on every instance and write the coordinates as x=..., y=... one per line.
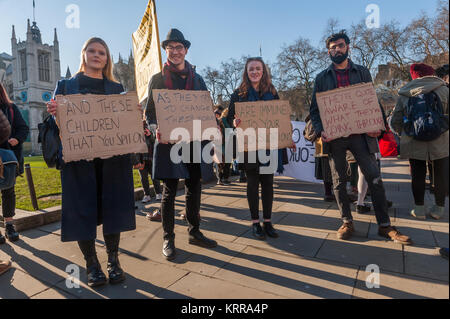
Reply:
x=224, y=168
x=257, y=85
x=323, y=171
x=177, y=74
x=429, y=89
x=5, y=133
x=443, y=73
x=19, y=133
x=100, y=191
x=341, y=73
x=144, y=164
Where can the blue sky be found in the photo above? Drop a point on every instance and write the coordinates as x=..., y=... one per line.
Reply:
x=218, y=29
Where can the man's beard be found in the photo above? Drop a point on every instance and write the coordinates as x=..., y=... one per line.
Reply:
x=339, y=59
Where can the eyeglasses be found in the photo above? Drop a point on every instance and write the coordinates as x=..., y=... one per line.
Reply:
x=178, y=48
x=340, y=46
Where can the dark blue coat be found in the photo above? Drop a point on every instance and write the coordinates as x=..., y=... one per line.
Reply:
x=163, y=167
x=79, y=188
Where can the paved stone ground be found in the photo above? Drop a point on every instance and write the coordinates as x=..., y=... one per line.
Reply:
x=307, y=261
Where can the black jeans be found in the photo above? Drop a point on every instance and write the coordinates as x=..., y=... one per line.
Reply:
x=440, y=177
x=193, y=188
x=9, y=202
x=254, y=179
x=224, y=171
x=144, y=179
x=369, y=167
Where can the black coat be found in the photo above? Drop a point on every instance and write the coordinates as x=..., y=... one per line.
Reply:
x=327, y=81
x=19, y=131
x=235, y=98
x=163, y=167
x=80, y=215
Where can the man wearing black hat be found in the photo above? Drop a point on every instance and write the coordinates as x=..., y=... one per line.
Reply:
x=177, y=74
x=341, y=73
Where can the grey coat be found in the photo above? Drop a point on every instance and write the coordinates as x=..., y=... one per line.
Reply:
x=327, y=81
x=411, y=148
x=163, y=167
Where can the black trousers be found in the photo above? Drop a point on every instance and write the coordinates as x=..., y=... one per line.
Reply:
x=193, y=188
x=144, y=179
x=369, y=167
x=9, y=202
x=440, y=177
x=254, y=179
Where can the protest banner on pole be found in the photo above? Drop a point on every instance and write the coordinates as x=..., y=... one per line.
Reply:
x=264, y=115
x=99, y=126
x=301, y=162
x=178, y=109
x=147, y=51
x=351, y=110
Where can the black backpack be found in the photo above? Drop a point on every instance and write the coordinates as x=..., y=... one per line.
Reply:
x=50, y=141
x=425, y=120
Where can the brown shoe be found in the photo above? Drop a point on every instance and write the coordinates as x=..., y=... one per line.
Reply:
x=346, y=231
x=155, y=216
x=4, y=266
x=392, y=233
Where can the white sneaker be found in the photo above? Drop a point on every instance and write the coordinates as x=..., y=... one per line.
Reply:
x=158, y=196
x=146, y=199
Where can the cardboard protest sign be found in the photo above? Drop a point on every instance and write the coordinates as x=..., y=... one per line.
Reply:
x=264, y=115
x=177, y=109
x=99, y=126
x=350, y=110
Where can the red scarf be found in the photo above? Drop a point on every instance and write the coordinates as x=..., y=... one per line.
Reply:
x=188, y=71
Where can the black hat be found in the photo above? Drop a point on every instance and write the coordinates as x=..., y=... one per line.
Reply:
x=175, y=35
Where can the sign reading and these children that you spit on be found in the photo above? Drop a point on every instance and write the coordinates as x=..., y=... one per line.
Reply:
x=351, y=110
x=99, y=126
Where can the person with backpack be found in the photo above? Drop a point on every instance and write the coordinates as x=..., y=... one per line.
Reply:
x=19, y=133
x=420, y=118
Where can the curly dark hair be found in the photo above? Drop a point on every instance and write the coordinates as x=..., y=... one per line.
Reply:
x=334, y=37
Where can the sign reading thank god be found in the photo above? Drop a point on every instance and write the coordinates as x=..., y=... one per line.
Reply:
x=99, y=126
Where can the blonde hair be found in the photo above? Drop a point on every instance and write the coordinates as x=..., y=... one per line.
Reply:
x=108, y=69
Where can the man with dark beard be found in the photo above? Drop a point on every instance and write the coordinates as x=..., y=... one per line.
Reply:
x=341, y=73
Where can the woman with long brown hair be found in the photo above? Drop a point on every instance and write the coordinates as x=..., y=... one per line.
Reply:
x=99, y=191
x=257, y=86
x=19, y=133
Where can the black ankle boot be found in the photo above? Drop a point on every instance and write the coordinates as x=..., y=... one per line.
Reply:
x=2, y=239
x=96, y=277
x=10, y=232
x=270, y=231
x=115, y=273
x=258, y=231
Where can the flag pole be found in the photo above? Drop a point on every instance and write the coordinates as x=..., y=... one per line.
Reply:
x=157, y=34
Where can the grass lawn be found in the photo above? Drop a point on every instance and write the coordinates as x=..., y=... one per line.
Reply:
x=47, y=183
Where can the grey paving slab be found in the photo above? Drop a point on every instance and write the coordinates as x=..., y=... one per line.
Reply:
x=326, y=223
x=291, y=277
x=441, y=235
x=292, y=240
x=20, y=285
x=53, y=293
x=426, y=262
x=144, y=279
x=420, y=234
x=202, y=287
x=208, y=261
x=363, y=252
x=399, y=286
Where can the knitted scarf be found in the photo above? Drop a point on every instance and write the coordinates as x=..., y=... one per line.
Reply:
x=188, y=71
